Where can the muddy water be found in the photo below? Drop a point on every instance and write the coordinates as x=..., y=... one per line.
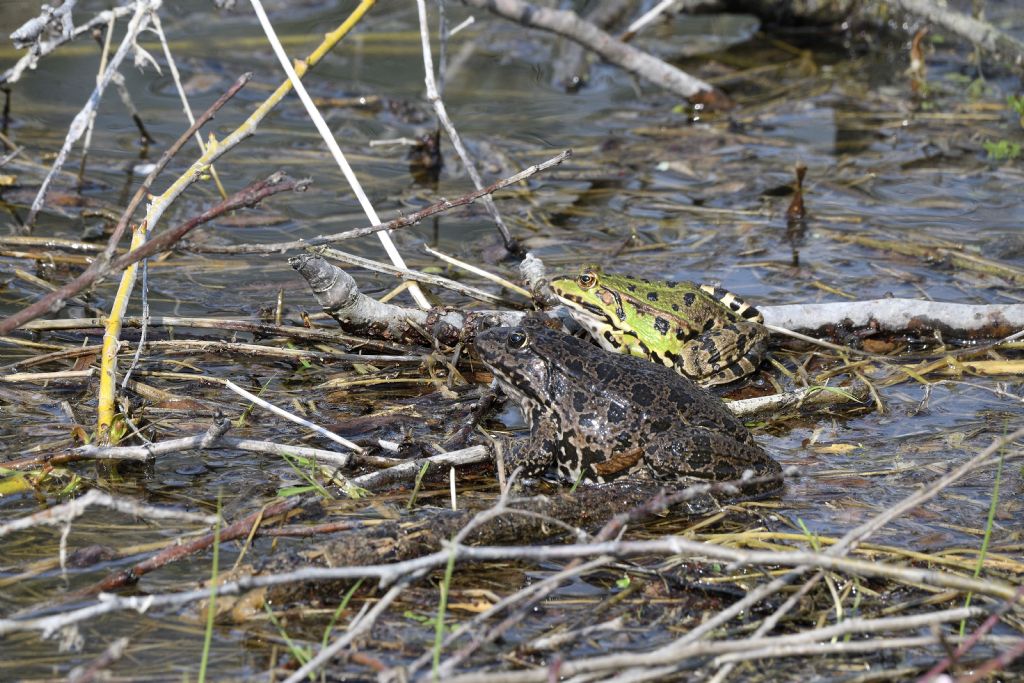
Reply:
x=649, y=191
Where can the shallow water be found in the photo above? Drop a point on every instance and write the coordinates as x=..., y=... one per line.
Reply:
x=648, y=191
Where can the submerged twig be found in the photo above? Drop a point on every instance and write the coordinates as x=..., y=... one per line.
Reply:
x=65, y=512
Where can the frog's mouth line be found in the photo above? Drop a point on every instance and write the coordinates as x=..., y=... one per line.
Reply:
x=528, y=401
x=588, y=309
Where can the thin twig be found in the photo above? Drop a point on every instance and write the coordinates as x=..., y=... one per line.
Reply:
x=185, y=106
x=434, y=97
x=409, y=274
x=400, y=222
x=326, y=433
x=99, y=268
x=33, y=31
x=354, y=631
x=642, y=64
x=65, y=512
x=143, y=10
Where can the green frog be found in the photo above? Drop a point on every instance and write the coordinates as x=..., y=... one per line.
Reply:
x=705, y=333
x=599, y=416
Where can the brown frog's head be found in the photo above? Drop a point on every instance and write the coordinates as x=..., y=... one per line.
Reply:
x=519, y=357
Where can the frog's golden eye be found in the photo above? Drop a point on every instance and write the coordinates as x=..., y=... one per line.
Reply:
x=586, y=279
x=517, y=339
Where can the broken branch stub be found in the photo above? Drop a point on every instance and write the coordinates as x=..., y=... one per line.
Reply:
x=339, y=296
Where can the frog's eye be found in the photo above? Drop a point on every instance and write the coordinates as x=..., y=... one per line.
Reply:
x=517, y=340
x=586, y=279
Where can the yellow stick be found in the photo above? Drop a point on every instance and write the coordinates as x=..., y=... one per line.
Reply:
x=214, y=150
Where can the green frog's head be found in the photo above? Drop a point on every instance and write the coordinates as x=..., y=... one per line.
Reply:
x=588, y=294
x=520, y=358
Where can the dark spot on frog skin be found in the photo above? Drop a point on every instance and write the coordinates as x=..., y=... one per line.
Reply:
x=643, y=395
x=616, y=413
x=661, y=325
x=675, y=307
x=574, y=365
x=679, y=397
x=725, y=471
x=698, y=458
x=662, y=424
x=652, y=296
x=620, y=312
x=607, y=371
x=631, y=287
x=689, y=298
x=671, y=283
x=579, y=401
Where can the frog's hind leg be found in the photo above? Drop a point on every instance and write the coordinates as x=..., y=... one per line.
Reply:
x=709, y=455
x=724, y=354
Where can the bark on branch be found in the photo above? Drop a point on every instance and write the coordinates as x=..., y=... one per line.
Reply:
x=339, y=296
x=637, y=62
x=902, y=315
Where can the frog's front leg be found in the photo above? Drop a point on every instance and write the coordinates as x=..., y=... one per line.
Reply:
x=724, y=354
x=536, y=453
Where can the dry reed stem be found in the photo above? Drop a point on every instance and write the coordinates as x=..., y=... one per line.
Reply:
x=399, y=571
x=355, y=629
x=326, y=433
x=136, y=25
x=434, y=97
x=480, y=272
x=216, y=149
x=667, y=653
x=328, y=137
x=314, y=334
x=186, y=108
x=409, y=274
x=400, y=222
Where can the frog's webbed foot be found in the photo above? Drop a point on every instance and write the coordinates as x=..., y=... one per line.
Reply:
x=519, y=454
x=724, y=354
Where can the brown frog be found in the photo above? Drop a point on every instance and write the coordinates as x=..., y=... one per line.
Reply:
x=599, y=416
